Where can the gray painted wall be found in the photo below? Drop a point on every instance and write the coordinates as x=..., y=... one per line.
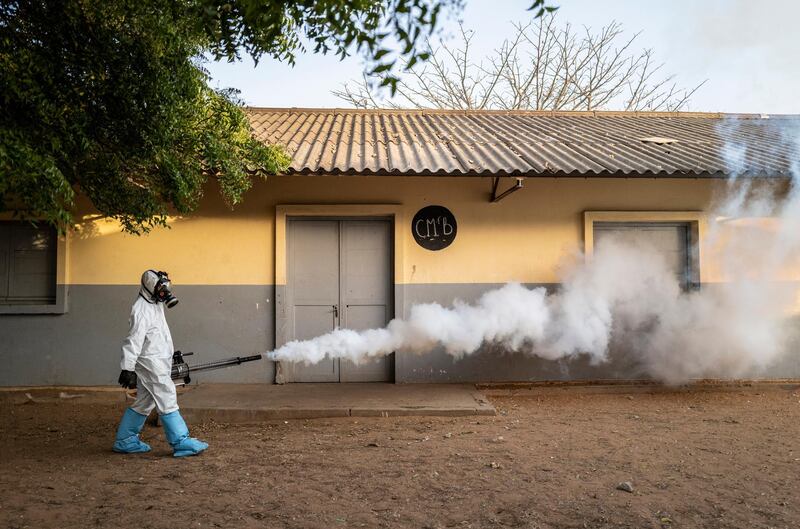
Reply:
x=82, y=347
x=493, y=364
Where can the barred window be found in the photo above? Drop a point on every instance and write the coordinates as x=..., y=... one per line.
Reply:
x=27, y=264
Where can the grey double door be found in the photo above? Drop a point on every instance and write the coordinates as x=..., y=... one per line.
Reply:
x=339, y=275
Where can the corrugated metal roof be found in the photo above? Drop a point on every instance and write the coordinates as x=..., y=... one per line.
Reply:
x=519, y=143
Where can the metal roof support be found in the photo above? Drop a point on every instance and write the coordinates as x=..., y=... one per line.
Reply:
x=504, y=194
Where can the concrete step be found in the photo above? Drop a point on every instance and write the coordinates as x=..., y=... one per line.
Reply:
x=263, y=402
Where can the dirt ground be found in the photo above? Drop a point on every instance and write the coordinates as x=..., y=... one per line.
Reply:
x=549, y=459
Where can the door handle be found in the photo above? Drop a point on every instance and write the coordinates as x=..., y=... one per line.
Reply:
x=336, y=311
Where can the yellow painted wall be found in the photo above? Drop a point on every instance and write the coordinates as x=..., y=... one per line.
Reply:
x=522, y=238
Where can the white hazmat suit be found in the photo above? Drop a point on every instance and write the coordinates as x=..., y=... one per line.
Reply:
x=147, y=356
x=147, y=350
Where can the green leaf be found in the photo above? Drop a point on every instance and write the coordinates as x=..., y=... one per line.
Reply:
x=381, y=68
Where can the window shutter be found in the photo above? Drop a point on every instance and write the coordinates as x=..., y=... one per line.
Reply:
x=5, y=252
x=32, y=260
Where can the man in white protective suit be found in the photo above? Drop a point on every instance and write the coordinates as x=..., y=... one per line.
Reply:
x=147, y=366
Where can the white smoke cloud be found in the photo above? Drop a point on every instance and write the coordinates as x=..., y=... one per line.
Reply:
x=627, y=298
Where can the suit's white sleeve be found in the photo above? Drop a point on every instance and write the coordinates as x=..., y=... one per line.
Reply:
x=132, y=345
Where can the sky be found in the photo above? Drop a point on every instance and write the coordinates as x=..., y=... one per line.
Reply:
x=747, y=52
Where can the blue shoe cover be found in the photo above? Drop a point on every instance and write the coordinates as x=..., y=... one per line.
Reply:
x=178, y=436
x=128, y=441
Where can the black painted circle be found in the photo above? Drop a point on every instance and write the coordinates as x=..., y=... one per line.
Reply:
x=434, y=227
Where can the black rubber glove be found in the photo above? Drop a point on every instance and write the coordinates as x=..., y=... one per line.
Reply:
x=127, y=379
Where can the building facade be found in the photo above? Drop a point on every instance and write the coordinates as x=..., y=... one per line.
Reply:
x=341, y=241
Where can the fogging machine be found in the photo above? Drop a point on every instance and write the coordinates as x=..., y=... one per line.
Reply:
x=183, y=371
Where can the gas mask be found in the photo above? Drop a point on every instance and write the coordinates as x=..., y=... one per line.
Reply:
x=159, y=288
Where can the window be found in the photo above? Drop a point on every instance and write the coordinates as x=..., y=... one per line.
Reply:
x=677, y=235
x=27, y=264
x=668, y=239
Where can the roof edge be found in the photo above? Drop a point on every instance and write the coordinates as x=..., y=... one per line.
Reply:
x=554, y=113
x=690, y=174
